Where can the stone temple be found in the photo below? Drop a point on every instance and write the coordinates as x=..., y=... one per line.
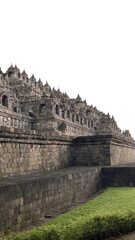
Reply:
x=28, y=104
x=54, y=151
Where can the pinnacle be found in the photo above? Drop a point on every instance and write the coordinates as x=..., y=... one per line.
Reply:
x=47, y=85
x=23, y=71
x=78, y=98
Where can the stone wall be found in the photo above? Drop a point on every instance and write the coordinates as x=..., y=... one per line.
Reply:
x=118, y=176
x=92, y=151
x=63, y=125
x=26, y=151
x=122, y=150
x=103, y=150
x=15, y=121
x=29, y=151
x=28, y=198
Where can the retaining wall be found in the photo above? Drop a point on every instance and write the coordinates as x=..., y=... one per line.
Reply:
x=103, y=150
x=27, y=151
x=118, y=176
x=122, y=150
x=25, y=199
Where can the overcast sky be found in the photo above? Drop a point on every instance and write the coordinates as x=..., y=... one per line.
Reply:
x=85, y=47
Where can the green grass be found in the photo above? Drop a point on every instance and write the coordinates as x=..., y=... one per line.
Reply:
x=110, y=214
x=114, y=199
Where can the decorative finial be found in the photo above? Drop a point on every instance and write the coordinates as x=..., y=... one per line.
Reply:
x=40, y=82
x=78, y=98
x=47, y=85
x=16, y=68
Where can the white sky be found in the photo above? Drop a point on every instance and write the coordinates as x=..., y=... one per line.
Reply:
x=80, y=46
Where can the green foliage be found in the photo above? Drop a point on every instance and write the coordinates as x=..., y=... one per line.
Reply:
x=41, y=233
x=110, y=214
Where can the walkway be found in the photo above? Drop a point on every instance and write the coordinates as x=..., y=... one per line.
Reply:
x=130, y=236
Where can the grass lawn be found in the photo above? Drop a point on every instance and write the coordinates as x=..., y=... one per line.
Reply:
x=113, y=200
x=110, y=214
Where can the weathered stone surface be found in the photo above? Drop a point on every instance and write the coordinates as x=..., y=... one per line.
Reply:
x=118, y=176
x=24, y=199
x=24, y=152
x=103, y=150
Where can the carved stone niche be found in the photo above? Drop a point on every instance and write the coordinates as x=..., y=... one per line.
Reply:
x=62, y=127
x=42, y=109
x=104, y=125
